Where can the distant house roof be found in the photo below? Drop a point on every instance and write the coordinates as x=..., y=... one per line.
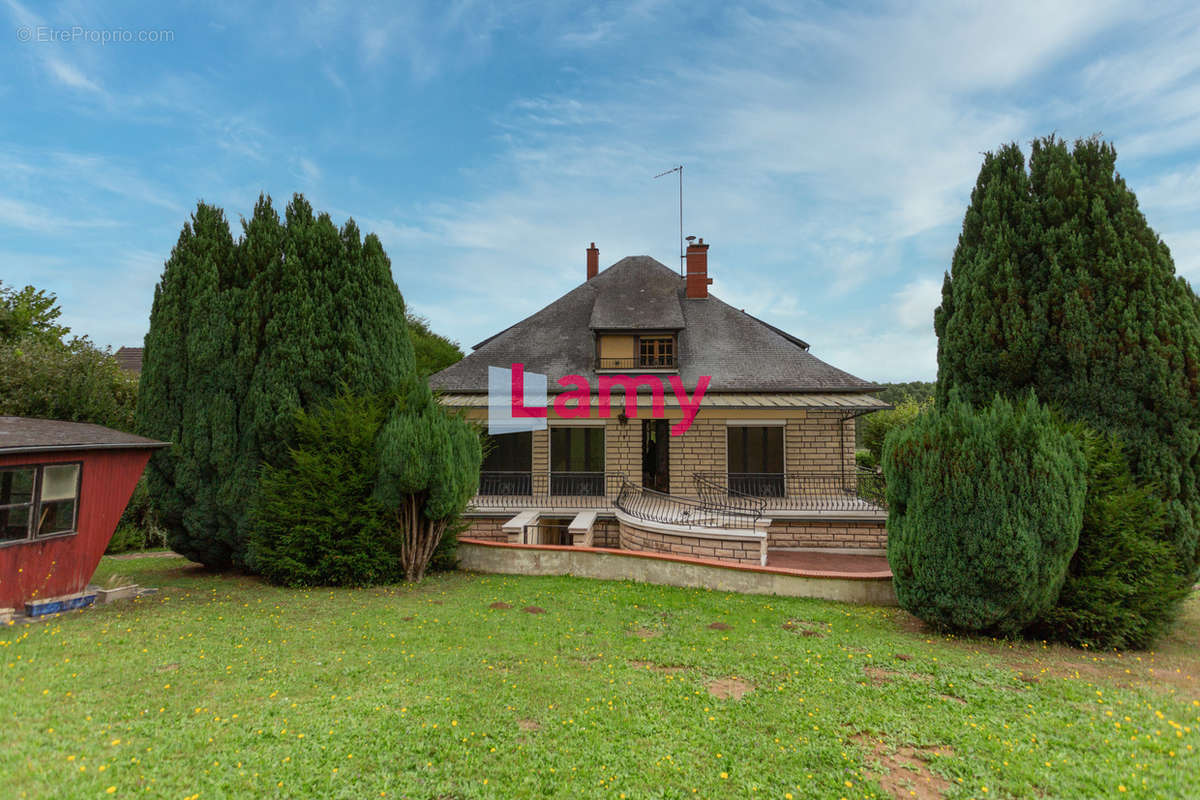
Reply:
x=741, y=353
x=28, y=435
x=130, y=359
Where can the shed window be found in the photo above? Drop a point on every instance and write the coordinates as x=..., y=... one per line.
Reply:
x=38, y=501
x=59, y=499
x=16, y=502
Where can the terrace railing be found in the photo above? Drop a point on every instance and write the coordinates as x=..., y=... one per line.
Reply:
x=861, y=490
x=556, y=489
x=637, y=362
x=651, y=506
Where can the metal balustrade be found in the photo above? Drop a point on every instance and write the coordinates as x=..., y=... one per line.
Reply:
x=861, y=490
x=651, y=506
x=499, y=489
x=721, y=494
x=637, y=362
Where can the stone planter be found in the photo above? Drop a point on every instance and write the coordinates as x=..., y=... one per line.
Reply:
x=117, y=593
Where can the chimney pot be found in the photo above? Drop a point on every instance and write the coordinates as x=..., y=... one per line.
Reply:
x=593, y=261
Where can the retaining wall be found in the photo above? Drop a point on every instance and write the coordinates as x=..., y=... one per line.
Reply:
x=672, y=570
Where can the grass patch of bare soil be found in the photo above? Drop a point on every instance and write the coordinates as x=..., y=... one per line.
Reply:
x=730, y=688
x=904, y=771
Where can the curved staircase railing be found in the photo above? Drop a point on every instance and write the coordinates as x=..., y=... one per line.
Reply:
x=652, y=506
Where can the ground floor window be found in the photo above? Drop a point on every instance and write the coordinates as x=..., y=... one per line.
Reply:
x=508, y=465
x=576, y=460
x=39, y=500
x=756, y=459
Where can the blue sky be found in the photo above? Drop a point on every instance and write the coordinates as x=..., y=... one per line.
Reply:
x=829, y=153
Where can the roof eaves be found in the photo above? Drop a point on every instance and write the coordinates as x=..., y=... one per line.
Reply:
x=60, y=448
x=796, y=340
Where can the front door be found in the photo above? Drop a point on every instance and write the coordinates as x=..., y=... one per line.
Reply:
x=656, y=434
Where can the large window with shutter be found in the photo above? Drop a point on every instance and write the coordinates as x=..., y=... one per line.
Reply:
x=508, y=466
x=756, y=459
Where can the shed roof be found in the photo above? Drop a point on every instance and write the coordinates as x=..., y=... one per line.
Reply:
x=29, y=435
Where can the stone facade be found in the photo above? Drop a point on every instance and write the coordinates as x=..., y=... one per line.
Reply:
x=486, y=528
x=816, y=442
x=832, y=533
x=741, y=549
x=605, y=531
x=813, y=442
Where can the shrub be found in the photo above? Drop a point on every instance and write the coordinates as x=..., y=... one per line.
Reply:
x=429, y=462
x=314, y=520
x=875, y=427
x=73, y=381
x=985, y=510
x=1120, y=591
x=125, y=539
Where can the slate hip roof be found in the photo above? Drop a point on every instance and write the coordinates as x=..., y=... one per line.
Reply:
x=739, y=352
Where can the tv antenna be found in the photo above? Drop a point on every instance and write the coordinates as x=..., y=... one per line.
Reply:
x=678, y=169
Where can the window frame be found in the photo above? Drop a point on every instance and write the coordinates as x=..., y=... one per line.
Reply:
x=510, y=482
x=770, y=484
x=635, y=361
x=579, y=482
x=658, y=338
x=36, y=502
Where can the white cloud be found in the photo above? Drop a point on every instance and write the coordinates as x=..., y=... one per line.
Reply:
x=71, y=76
x=915, y=303
x=307, y=170
x=24, y=215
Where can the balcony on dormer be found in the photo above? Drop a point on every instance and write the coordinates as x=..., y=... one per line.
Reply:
x=637, y=351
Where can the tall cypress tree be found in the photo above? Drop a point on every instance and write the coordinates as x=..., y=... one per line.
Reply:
x=1058, y=284
x=241, y=335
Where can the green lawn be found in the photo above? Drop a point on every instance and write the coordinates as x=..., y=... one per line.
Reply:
x=221, y=687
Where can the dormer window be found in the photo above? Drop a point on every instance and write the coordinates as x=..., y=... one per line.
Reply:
x=656, y=351
x=636, y=351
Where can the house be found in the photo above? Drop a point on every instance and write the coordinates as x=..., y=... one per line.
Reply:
x=63, y=487
x=130, y=359
x=765, y=467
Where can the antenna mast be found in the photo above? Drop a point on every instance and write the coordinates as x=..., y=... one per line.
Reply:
x=678, y=169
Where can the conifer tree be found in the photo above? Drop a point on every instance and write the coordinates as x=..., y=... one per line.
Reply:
x=242, y=334
x=429, y=462
x=1059, y=285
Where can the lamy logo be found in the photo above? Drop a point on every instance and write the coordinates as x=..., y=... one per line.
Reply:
x=517, y=400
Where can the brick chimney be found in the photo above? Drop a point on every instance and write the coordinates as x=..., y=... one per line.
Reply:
x=593, y=261
x=697, y=270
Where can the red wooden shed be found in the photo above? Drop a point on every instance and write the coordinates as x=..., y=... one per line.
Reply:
x=63, y=487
